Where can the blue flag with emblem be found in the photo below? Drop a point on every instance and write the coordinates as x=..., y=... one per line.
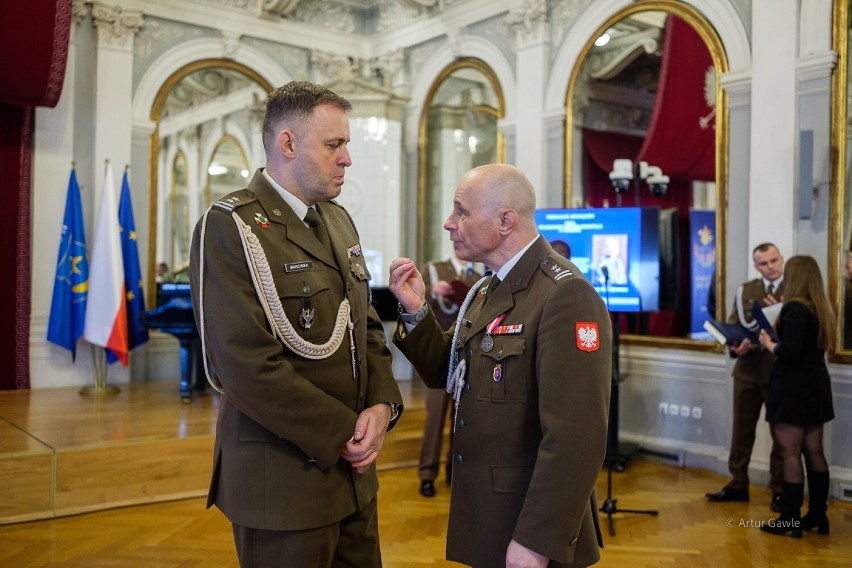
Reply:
x=71, y=286
x=136, y=334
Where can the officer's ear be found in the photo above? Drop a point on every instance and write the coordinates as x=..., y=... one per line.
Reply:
x=286, y=141
x=508, y=221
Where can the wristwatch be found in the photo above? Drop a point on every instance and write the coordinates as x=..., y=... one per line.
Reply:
x=394, y=411
x=416, y=316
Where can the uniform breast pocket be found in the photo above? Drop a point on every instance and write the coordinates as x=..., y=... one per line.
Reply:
x=505, y=365
x=308, y=302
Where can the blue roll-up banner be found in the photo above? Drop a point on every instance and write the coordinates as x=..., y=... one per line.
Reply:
x=702, y=243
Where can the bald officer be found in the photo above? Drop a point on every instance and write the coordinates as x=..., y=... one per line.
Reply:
x=529, y=361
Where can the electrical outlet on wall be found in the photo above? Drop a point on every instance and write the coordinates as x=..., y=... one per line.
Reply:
x=684, y=411
x=674, y=409
x=664, y=408
x=696, y=412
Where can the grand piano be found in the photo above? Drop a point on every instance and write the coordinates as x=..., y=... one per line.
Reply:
x=173, y=315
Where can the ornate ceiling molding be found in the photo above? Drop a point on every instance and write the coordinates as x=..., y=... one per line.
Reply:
x=608, y=63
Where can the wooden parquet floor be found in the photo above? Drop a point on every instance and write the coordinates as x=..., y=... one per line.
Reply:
x=688, y=532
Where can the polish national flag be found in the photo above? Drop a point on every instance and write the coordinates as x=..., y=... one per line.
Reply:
x=106, y=311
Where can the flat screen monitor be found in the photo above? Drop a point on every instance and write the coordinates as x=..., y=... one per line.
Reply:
x=617, y=249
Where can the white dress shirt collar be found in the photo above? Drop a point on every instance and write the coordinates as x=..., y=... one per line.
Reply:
x=294, y=202
x=506, y=268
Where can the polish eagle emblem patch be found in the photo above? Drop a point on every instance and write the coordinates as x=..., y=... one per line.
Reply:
x=588, y=338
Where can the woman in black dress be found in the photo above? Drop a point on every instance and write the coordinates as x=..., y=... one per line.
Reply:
x=800, y=395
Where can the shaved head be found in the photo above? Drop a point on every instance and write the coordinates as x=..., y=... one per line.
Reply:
x=493, y=215
x=503, y=186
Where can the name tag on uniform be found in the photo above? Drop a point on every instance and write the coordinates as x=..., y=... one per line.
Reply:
x=299, y=266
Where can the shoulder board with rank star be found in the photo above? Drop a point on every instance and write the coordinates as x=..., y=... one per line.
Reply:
x=555, y=269
x=234, y=200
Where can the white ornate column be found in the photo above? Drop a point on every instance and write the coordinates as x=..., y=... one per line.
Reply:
x=774, y=132
x=529, y=22
x=738, y=86
x=113, y=90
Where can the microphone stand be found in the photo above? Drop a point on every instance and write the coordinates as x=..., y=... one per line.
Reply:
x=615, y=459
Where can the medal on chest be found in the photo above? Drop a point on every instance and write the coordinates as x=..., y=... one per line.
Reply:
x=488, y=341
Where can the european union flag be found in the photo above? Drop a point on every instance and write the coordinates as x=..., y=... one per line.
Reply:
x=136, y=334
x=71, y=287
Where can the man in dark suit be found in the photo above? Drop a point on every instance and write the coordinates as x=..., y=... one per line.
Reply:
x=444, y=281
x=295, y=348
x=751, y=379
x=530, y=367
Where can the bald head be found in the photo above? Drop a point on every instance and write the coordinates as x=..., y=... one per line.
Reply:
x=502, y=186
x=493, y=214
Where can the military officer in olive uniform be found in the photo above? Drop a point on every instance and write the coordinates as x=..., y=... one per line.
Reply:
x=751, y=379
x=294, y=346
x=529, y=360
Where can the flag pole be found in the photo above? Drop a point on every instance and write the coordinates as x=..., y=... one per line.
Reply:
x=99, y=384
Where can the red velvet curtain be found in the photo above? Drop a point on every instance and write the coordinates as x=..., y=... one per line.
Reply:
x=680, y=140
x=33, y=51
x=681, y=136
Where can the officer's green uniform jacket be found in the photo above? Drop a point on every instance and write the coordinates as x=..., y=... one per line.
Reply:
x=530, y=435
x=283, y=419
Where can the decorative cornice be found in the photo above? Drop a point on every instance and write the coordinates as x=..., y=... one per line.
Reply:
x=528, y=21
x=418, y=4
x=607, y=63
x=389, y=65
x=115, y=26
x=738, y=86
x=278, y=8
x=230, y=44
x=331, y=66
x=454, y=40
x=78, y=11
x=816, y=66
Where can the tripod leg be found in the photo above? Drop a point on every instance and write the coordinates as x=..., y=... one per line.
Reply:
x=610, y=505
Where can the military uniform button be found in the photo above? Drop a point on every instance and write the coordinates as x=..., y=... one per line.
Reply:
x=306, y=290
x=361, y=396
x=459, y=458
x=467, y=387
x=460, y=423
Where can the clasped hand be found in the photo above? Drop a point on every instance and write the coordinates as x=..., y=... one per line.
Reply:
x=369, y=437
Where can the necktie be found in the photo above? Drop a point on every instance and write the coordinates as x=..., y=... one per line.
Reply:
x=492, y=287
x=770, y=288
x=313, y=221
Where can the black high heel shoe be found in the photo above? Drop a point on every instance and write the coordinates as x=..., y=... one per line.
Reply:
x=815, y=521
x=783, y=525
